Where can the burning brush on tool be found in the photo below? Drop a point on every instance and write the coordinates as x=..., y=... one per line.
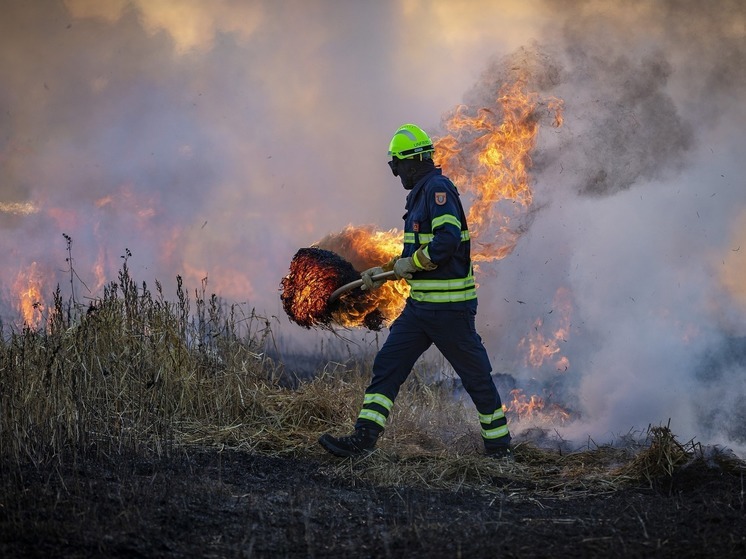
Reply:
x=323, y=288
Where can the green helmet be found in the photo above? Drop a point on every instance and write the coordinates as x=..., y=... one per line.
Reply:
x=410, y=140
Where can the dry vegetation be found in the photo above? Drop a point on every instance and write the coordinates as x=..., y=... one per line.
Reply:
x=170, y=419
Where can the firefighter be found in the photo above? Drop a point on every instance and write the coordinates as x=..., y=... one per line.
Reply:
x=441, y=307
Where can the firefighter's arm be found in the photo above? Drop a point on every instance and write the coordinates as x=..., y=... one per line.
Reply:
x=446, y=230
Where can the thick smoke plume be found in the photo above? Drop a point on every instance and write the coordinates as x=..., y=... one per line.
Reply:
x=637, y=194
x=622, y=125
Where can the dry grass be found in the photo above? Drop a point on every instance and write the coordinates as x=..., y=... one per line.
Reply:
x=134, y=373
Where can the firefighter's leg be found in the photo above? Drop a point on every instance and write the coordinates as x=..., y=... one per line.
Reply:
x=456, y=337
x=406, y=341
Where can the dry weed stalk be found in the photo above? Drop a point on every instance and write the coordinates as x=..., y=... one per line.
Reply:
x=135, y=373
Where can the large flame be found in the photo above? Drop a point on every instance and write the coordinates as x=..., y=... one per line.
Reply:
x=487, y=154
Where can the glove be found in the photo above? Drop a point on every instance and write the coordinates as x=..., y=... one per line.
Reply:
x=367, y=277
x=405, y=267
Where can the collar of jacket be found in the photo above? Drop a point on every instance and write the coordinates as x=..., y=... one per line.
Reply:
x=420, y=183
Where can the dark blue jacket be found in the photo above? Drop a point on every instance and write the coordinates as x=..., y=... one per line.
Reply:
x=435, y=218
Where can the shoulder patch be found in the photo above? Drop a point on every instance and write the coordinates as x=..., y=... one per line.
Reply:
x=440, y=198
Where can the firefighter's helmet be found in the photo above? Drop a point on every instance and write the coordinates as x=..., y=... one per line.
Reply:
x=410, y=140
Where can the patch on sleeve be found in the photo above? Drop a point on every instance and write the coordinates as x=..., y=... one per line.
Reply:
x=440, y=198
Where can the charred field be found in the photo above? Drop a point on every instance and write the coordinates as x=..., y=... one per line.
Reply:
x=137, y=427
x=240, y=503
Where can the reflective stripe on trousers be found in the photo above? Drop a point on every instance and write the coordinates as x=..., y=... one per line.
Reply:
x=455, y=335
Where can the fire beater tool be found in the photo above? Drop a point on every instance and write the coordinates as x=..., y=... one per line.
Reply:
x=357, y=283
x=311, y=292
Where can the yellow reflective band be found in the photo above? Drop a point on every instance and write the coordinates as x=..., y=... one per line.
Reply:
x=426, y=252
x=443, y=219
x=495, y=433
x=441, y=285
x=426, y=238
x=373, y=416
x=417, y=261
x=490, y=417
x=379, y=399
x=447, y=297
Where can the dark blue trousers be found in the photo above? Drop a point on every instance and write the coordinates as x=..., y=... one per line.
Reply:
x=454, y=334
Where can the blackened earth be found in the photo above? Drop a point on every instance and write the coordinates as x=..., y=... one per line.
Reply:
x=239, y=504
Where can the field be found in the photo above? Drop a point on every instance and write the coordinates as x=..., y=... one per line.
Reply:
x=137, y=427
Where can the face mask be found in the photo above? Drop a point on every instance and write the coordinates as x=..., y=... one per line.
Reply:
x=407, y=181
x=404, y=169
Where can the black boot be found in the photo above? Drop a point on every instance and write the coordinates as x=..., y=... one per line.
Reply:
x=499, y=452
x=363, y=439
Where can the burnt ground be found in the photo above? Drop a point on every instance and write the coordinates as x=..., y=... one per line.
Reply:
x=240, y=504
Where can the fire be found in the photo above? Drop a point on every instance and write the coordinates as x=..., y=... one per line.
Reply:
x=28, y=288
x=535, y=407
x=315, y=274
x=540, y=348
x=487, y=154
x=366, y=247
x=338, y=259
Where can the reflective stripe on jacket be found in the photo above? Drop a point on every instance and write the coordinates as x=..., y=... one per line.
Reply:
x=436, y=219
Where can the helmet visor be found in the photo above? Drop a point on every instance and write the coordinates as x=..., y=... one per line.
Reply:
x=394, y=165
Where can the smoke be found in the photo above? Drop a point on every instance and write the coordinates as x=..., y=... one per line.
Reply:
x=215, y=139
x=622, y=125
x=641, y=218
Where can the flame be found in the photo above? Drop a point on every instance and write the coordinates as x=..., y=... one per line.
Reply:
x=487, y=154
x=315, y=274
x=540, y=348
x=28, y=288
x=535, y=407
x=366, y=247
x=338, y=259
